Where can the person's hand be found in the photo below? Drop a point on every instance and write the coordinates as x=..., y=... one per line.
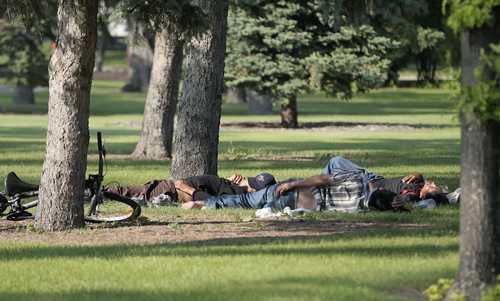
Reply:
x=397, y=203
x=414, y=177
x=236, y=178
x=283, y=187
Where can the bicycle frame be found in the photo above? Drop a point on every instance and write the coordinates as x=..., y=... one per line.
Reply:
x=96, y=180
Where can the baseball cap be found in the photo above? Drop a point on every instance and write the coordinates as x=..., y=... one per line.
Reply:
x=261, y=181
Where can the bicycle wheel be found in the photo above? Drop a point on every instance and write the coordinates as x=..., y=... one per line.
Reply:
x=4, y=202
x=111, y=207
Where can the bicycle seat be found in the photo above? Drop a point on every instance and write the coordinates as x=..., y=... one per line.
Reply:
x=14, y=185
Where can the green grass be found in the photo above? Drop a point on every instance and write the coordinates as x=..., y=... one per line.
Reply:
x=383, y=264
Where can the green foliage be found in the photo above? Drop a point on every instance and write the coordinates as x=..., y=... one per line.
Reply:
x=468, y=14
x=438, y=291
x=428, y=38
x=26, y=62
x=179, y=16
x=291, y=47
x=492, y=294
x=483, y=99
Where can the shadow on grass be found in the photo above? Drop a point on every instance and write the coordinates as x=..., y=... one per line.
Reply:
x=221, y=247
x=292, y=287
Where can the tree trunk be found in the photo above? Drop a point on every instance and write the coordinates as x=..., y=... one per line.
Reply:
x=197, y=131
x=259, y=103
x=235, y=96
x=70, y=78
x=23, y=95
x=161, y=103
x=480, y=182
x=289, y=113
x=140, y=65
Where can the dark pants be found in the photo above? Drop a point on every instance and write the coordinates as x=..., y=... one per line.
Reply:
x=149, y=190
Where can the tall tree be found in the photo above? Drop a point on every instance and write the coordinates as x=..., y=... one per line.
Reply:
x=197, y=131
x=70, y=76
x=173, y=22
x=479, y=22
x=283, y=48
x=158, y=121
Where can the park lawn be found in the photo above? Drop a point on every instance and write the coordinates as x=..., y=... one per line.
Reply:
x=394, y=262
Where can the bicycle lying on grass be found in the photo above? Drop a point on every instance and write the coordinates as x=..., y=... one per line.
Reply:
x=99, y=205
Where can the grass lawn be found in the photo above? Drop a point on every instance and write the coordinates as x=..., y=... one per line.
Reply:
x=376, y=256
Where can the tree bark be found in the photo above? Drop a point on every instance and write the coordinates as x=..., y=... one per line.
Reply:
x=23, y=95
x=197, y=131
x=235, y=96
x=480, y=182
x=70, y=76
x=259, y=103
x=161, y=103
x=289, y=113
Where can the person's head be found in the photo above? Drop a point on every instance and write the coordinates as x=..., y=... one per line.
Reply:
x=430, y=187
x=381, y=199
x=258, y=182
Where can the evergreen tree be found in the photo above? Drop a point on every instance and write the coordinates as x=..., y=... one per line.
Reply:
x=26, y=63
x=420, y=29
x=284, y=48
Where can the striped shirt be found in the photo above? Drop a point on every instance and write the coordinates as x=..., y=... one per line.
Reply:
x=347, y=191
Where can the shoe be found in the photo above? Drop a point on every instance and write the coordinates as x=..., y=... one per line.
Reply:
x=162, y=200
x=140, y=200
x=454, y=197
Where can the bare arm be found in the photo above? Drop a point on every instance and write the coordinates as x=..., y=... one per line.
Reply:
x=309, y=182
x=236, y=178
x=414, y=178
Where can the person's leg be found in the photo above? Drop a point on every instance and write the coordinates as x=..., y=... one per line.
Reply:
x=146, y=191
x=338, y=164
x=127, y=191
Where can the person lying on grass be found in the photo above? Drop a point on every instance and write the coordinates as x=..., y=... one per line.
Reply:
x=346, y=191
x=411, y=188
x=343, y=186
x=192, y=188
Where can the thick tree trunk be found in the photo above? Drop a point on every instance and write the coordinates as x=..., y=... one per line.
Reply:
x=235, y=96
x=23, y=95
x=70, y=75
x=161, y=103
x=259, y=103
x=140, y=65
x=197, y=131
x=289, y=113
x=480, y=182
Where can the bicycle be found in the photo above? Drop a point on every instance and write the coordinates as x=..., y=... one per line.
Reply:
x=99, y=205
